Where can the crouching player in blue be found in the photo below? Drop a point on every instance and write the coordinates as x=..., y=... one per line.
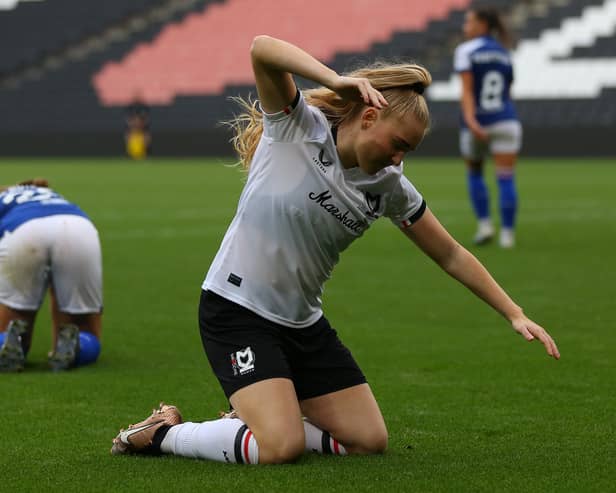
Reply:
x=489, y=121
x=47, y=242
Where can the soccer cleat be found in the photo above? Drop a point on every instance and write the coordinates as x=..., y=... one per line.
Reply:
x=138, y=438
x=66, y=350
x=485, y=233
x=507, y=238
x=12, y=356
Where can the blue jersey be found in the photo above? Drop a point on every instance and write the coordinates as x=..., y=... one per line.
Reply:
x=492, y=71
x=22, y=203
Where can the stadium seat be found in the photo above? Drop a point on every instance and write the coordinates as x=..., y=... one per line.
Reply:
x=187, y=69
x=179, y=63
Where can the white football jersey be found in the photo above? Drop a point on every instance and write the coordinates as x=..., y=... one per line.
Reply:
x=299, y=209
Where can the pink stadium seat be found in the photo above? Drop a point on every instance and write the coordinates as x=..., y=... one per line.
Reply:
x=209, y=50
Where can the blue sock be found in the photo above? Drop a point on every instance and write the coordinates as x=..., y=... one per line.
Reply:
x=479, y=195
x=508, y=200
x=89, y=349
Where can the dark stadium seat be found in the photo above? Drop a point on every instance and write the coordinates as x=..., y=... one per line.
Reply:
x=604, y=46
x=34, y=29
x=194, y=96
x=179, y=48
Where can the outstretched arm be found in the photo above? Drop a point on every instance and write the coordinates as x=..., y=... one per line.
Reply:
x=434, y=240
x=274, y=63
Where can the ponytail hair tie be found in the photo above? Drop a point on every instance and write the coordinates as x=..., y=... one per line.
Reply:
x=418, y=87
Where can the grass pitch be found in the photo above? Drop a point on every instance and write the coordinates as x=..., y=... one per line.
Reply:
x=470, y=406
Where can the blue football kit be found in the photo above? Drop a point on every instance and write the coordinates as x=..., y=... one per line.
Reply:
x=492, y=71
x=22, y=203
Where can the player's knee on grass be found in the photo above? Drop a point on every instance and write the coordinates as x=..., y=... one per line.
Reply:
x=372, y=440
x=280, y=448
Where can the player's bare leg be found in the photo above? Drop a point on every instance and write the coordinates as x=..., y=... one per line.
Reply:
x=88, y=322
x=271, y=411
x=75, y=338
x=267, y=429
x=352, y=417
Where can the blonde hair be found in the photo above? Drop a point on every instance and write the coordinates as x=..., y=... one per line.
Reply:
x=400, y=84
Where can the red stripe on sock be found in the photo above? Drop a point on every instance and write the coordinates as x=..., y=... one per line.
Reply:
x=246, y=440
x=336, y=447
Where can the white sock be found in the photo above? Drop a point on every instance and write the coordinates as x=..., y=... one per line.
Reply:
x=224, y=440
x=485, y=223
x=321, y=442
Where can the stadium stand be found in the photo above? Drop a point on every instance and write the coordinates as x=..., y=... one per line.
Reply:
x=40, y=28
x=64, y=91
x=556, y=88
x=186, y=72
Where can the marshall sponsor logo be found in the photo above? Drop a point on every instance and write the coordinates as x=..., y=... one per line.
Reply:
x=322, y=161
x=344, y=217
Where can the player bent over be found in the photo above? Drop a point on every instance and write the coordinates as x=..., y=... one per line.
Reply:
x=46, y=243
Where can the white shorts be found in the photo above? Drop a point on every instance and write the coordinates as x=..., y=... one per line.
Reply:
x=505, y=138
x=62, y=249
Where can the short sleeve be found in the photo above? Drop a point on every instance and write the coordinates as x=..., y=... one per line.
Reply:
x=295, y=122
x=406, y=204
x=462, y=58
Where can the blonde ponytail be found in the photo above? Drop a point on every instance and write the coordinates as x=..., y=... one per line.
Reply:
x=401, y=84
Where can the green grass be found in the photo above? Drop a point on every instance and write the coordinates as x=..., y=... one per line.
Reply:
x=470, y=406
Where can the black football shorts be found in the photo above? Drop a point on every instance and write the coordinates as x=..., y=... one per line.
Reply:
x=244, y=348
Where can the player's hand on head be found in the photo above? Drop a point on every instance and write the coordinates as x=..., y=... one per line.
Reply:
x=358, y=89
x=531, y=331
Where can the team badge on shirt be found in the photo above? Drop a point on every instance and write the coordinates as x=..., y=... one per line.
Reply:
x=322, y=161
x=374, y=204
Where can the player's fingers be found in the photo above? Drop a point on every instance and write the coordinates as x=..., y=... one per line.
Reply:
x=363, y=91
x=554, y=352
x=548, y=343
x=527, y=335
x=376, y=100
x=524, y=330
x=373, y=95
x=381, y=98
